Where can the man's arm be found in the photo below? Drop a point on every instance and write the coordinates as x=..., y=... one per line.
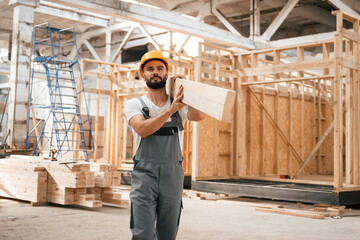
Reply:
x=145, y=127
x=194, y=114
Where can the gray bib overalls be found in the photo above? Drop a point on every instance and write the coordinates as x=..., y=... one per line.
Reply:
x=157, y=182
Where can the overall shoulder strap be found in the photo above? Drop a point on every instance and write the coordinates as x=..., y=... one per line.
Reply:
x=145, y=110
x=176, y=117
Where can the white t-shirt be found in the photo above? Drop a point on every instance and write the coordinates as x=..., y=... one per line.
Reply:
x=133, y=107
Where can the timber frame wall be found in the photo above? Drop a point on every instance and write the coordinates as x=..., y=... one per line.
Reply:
x=295, y=118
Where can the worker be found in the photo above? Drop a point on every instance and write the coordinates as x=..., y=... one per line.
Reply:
x=157, y=123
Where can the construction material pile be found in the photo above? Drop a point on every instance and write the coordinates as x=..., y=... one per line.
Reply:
x=39, y=181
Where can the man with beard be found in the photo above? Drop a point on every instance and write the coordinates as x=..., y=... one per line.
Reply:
x=157, y=123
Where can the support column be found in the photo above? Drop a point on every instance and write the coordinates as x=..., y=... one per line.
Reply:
x=254, y=19
x=20, y=68
x=108, y=47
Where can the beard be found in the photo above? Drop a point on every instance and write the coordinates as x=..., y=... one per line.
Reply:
x=157, y=84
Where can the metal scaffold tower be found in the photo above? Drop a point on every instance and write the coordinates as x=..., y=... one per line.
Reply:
x=58, y=123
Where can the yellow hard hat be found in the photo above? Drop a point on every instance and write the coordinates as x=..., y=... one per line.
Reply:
x=152, y=55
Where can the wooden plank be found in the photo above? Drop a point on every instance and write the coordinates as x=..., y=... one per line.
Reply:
x=97, y=91
x=24, y=184
x=249, y=204
x=294, y=212
x=214, y=101
x=297, y=79
x=286, y=67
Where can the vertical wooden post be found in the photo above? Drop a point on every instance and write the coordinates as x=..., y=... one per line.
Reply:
x=196, y=127
x=290, y=161
x=338, y=110
x=300, y=58
x=96, y=138
x=356, y=105
x=241, y=155
x=119, y=129
x=348, y=119
x=114, y=108
x=108, y=118
x=262, y=128
x=276, y=114
x=254, y=63
x=316, y=119
x=326, y=71
x=233, y=137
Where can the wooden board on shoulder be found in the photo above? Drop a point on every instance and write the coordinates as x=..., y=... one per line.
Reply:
x=215, y=101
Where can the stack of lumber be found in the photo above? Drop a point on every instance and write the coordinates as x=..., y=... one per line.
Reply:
x=37, y=180
x=23, y=182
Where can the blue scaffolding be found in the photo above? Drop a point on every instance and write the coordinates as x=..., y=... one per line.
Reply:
x=55, y=123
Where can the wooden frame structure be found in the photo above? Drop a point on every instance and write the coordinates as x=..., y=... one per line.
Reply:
x=295, y=119
x=297, y=114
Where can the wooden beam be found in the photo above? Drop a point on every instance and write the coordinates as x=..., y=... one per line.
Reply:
x=314, y=38
x=162, y=19
x=338, y=114
x=215, y=101
x=92, y=50
x=287, y=67
x=343, y=7
x=219, y=15
x=71, y=15
x=289, y=80
x=123, y=43
x=285, y=11
x=148, y=36
x=196, y=126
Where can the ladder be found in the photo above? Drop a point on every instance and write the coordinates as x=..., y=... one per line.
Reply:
x=56, y=123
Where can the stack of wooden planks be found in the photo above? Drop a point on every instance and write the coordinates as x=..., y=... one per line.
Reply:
x=38, y=181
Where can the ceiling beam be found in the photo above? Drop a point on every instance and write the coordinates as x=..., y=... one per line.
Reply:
x=114, y=28
x=148, y=36
x=223, y=19
x=285, y=11
x=72, y=16
x=123, y=43
x=297, y=40
x=312, y=13
x=92, y=50
x=342, y=6
x=162, y=19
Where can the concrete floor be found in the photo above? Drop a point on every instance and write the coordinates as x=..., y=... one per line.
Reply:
x=201, y=219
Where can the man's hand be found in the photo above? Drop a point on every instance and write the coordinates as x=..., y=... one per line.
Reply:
x=193, y=114
x=177, y=103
